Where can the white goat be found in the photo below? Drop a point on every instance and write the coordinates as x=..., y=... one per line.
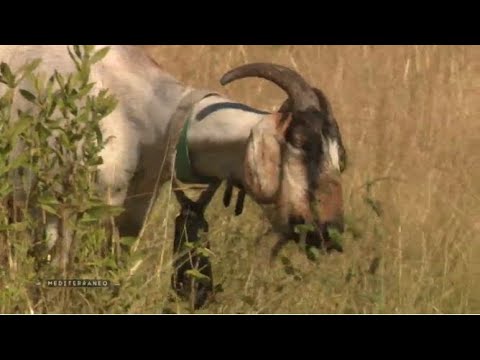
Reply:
x=290, y=159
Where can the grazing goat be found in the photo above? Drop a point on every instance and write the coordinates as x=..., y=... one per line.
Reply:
x=289, y=161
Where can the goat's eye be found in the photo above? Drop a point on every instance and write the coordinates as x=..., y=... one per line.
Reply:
x=298, y=143
x=297, y=140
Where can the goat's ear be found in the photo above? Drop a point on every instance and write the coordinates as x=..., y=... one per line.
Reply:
x=262, y=165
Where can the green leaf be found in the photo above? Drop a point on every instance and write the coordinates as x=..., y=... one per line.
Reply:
x=18, y=128
x=33, y=65
x=86, y=89
x=77, y=50
x=89, y=48
x=98, y=134
x=101, y=95
x=28, y=95
x=189, y=245
x=312, y=253
x=7, y=75
x=197, y=275
x=50, y=83
x=48, y=209
x=95, y=161
x=99, y=55
x=68, y=85
x=27, y=69
x=128, y=240
x=84, y=74
x=51, y=108
x=43, y=132
x=30, y=66
x=102, y=211
x=111, y=263
x=48, y=199
x=60, y=80
x=6, y=99
x=19, y=226
x=303, y=228
x=87, y=219
x=74, y=59
x=205, y=252
x=334, y=234
x=38, y=83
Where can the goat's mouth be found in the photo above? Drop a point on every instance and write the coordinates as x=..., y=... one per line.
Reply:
x=324, y=236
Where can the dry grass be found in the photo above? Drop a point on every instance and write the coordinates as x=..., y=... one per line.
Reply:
x=408, y=114
x=410, y=120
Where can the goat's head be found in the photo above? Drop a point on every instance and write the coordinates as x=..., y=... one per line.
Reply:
x=294, y=157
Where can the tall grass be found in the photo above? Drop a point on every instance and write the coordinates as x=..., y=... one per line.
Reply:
x=409, y=116
x=410, y=121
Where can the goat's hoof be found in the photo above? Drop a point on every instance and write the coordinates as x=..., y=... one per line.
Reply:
x=197, y=293
x=203, y=293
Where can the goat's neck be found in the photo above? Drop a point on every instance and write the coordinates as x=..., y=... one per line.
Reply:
x=218, y=136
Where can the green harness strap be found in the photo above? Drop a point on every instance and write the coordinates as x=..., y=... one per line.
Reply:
x=183, y=166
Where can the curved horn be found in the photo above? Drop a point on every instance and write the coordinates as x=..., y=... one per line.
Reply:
x=325, y=105
x=288, y=80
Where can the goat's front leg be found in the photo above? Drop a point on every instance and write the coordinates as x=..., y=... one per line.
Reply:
x=192, y=277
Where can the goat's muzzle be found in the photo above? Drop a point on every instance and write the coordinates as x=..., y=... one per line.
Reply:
x=328, y=214
x=324, y=239
x=325, y=236
x=325, y=217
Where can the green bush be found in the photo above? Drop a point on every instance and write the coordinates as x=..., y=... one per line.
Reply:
x=49, y=153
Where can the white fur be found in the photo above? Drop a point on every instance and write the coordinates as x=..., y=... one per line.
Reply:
x=147, y=98
x=333, y=153
x=222, y=132
x=137, y=128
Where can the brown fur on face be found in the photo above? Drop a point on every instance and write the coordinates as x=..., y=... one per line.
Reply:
x=286, y=166
x=329, y=199
x=330, y=126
